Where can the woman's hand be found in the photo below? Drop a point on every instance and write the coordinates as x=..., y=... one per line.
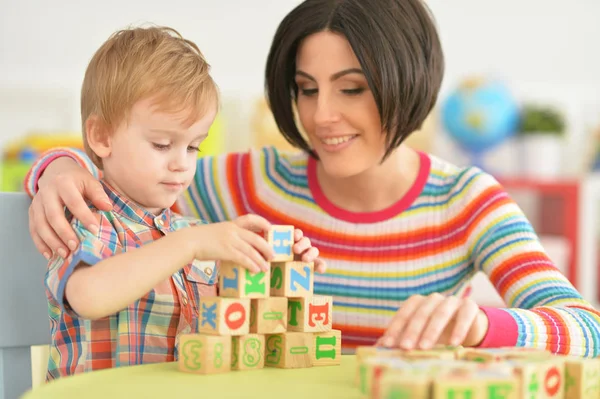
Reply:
x=63, y=184
x=424, y=321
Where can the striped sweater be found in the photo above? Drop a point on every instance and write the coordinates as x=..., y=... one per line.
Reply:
x=451, y=224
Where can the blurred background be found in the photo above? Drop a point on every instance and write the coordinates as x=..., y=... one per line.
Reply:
x=520, y=96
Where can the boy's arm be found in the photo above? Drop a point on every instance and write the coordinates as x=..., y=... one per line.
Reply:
x=504, y=245
x=100, y=280
x=40, y=165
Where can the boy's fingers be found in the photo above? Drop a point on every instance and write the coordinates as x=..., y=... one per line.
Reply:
x=253, y=222
x=259, y=244
x=301, y=246
x=320, y=265
x=298, y=234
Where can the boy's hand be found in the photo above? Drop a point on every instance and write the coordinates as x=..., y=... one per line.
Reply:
x=305, y=252
x=234, y=241
x=424, y=321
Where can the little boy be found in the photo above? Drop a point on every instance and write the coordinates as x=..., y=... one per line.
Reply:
x=132, y=286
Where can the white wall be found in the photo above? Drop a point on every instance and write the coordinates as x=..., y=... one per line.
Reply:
x=545, y=49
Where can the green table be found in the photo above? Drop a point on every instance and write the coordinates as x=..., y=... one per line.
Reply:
x=165, y=381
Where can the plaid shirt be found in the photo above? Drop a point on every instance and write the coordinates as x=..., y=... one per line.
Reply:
x=147, y=330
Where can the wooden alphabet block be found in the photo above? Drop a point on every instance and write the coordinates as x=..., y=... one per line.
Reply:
x=281, y=239
x=204, y=354
x=363, y=353
x=292, y=279
x=327, y=348
x=310, y=314
x=457, y=385
x=505, y=353
x=268, y=315
x=395, y=384
x=237, y=282
x=248, y=352
x=582, y=378
x=540, y=379
x=288, y=350
x=224, y=316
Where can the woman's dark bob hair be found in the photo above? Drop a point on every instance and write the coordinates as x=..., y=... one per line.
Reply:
x=396, y=43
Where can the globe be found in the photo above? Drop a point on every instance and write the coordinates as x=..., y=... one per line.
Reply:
x=480, y=114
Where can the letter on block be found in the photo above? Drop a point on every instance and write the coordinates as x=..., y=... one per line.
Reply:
x=288, y=350
x=310, y=314
x=582, y=378
x=281, y=239
x=540, y=378
x=327, y=348
x=237, y=282
x=268, y=315
x=292, y=279
x=248, y=352
x=224, y=316
x=204, y=354
x=404, y=385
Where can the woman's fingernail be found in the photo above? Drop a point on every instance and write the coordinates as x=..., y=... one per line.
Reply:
x=72, y=245
x=62, y=253
x=425, y=344
x=47, y=255
x=407, y=344
x=389, y=341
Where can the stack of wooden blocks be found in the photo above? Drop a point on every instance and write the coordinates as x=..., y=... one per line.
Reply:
x=267, y=319
x=457, y=372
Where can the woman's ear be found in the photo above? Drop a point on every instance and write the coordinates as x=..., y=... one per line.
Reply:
x=98, y=137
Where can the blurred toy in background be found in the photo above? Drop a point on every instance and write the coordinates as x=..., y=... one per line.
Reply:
x=18, y=155
x=541, y=136
x=480, y=114
x=592, y=157
x=214, y=144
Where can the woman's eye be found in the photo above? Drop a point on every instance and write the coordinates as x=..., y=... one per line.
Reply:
x=353, y=92
x=192, y=148
x=308, y=92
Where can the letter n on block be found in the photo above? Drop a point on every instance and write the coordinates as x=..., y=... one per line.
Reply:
x=292, y=279
x=237, y=282
x=204, y=354
x=327, y=348
x=224, y=316
x=281, y=239
x=310, y=314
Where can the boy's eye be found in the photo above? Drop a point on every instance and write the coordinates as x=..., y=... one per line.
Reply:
x=160, y=146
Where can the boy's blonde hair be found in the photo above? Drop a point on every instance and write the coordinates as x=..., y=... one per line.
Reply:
x=139, y=63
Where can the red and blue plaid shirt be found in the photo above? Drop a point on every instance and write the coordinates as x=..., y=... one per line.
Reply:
x=147, y=330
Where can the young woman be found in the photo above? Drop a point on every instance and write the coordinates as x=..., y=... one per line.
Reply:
x=402, y=231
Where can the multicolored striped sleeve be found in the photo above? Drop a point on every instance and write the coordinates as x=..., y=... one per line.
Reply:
x=92, y=249
x=216, y=193
x=545, y=310
x=38, y=167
